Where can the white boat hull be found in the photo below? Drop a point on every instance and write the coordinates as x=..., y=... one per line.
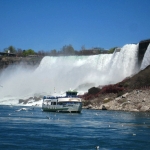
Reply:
x=75, y=108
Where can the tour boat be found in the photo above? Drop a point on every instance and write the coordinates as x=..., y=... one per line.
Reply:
x=69, y=103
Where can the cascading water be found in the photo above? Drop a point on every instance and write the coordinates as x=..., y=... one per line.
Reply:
x=58, y=74
x=146, y=59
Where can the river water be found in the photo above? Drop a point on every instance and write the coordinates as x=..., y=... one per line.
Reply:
x=31, y=128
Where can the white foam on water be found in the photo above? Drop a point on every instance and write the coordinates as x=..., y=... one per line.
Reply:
x=58, y=74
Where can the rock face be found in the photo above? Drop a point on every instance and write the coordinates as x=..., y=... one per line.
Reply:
x=142, y=48
x=137, y=100
x=9, y=61
x=29, y=100
x=124, y=95
x=143, y=45
x=105, y=107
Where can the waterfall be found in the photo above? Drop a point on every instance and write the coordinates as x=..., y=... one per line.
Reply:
x=71, y=72
x=146, y=59
x=124, y=63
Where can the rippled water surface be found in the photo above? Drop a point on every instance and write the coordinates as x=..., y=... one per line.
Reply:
x=110, y=130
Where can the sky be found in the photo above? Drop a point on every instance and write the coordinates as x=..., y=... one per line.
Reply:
x=52, y=24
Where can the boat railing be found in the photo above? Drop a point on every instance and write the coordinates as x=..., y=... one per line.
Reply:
x=52, y=97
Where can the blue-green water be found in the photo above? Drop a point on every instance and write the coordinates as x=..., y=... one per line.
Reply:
x=110, y=130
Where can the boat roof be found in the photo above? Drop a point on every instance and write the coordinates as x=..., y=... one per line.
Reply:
x=62, y=99
x=69, y=93
x=69, y=99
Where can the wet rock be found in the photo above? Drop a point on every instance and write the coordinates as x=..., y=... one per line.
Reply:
x=89, y=106
x=21, y=101
x=105, y=107
x=37, y=98
x=135, y=110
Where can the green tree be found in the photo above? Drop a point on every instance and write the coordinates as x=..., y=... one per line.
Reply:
x=28, y=52
x=68, y=50
x=53, y=52
x=10, y=49
x=41, y=53
x=19, y=52
x=111, y=50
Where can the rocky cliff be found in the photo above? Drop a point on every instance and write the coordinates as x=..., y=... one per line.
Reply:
x=133, y=95
x=8, y=61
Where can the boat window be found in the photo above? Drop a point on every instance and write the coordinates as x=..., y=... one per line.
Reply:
x=71, y=93
x=53, y=103
x=44, y=97
x=60, y=103
x=68, y=103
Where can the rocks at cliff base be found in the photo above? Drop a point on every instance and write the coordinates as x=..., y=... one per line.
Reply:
x=29, y=100
x=125, y=95
x=105, y=107
x=21, y=101
x=137, y=100
x=37, y=98
x=144, y=108
x=106, y=100
x=87, y=107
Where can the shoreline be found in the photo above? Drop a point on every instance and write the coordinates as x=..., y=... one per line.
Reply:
x=135, y=101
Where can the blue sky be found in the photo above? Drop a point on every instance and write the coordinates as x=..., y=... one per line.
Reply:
x=51, y=24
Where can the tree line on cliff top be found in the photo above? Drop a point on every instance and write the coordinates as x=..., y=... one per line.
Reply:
x=66, y=50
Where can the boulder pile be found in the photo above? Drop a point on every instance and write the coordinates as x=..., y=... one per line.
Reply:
x=136, y=100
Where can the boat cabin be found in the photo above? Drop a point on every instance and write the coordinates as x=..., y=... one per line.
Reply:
x=62, y=99
x=71, y=94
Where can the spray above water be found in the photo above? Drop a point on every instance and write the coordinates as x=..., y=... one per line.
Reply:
x=58, y=74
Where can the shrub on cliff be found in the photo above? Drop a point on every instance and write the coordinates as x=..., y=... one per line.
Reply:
x=10, y=49
x=28, y=52
x=93, y=90
x=110, y=51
